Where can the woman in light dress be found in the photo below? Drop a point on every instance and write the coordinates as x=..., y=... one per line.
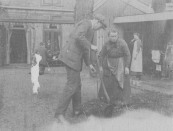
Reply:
x=136, y=63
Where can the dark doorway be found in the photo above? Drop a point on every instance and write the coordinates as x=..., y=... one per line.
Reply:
x=128, y=36
x=18, y=46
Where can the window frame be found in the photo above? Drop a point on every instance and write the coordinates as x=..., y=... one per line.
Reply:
x=51, y=4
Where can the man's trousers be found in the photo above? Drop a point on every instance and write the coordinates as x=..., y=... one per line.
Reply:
x=72, y=91
x=42, y=69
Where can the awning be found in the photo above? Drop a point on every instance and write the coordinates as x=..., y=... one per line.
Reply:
x=144, y=17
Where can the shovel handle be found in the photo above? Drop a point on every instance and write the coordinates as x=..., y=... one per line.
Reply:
x=104, y=89
x=101, y=79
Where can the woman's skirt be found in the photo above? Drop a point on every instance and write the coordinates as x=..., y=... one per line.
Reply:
x=118, y=96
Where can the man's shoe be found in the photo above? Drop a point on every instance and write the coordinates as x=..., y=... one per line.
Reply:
x=108, y=111
x=78, y=113
x=41, y=73
x=59, y=118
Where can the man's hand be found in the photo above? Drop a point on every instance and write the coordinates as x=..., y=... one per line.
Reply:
x=132, y=40
x=126, y=70
x=93, y=47
x=92, y=69
x=101, y=70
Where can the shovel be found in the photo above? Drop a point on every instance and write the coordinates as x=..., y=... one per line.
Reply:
x=108, y=110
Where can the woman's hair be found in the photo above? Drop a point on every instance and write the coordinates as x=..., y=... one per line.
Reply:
x=136, y=34
x=112, y=30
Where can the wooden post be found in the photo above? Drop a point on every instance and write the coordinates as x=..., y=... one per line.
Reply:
x=158, y=26
x=9, y=33
x=1, y=45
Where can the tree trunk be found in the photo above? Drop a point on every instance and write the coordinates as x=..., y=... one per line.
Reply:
x=158, y=26
x=2, y=45
x=158, y=29
x=83, y=10
x=159, y=5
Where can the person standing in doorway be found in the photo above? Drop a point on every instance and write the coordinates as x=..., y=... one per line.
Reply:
x=75, y=51
x=136, y=63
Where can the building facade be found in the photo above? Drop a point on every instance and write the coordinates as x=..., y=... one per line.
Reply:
x=26, y=23
x=151, y=18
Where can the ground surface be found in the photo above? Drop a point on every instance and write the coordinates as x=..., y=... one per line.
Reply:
x=20, y=110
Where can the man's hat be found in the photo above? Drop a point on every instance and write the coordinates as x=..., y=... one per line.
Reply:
x=101, y=19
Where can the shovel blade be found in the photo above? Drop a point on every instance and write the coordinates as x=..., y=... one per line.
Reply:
x=108, y=111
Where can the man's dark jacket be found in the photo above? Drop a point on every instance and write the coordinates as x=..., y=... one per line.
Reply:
x=78, y=46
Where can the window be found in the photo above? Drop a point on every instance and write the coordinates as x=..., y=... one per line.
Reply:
x=52, y=2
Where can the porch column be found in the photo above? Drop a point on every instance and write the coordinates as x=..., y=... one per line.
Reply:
x=28, y=43
x=9, y=33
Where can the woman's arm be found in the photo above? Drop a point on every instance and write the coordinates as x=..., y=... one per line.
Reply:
x=126, y=52
x=139, y=46
x=132, y=41
x=102, y=54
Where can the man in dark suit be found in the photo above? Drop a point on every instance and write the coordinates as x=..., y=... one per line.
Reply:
x=75, y=51
x=43, y=53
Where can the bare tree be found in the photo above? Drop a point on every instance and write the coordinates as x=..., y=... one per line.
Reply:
x=83, y=10
x=2, y=37
x=158, y=26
